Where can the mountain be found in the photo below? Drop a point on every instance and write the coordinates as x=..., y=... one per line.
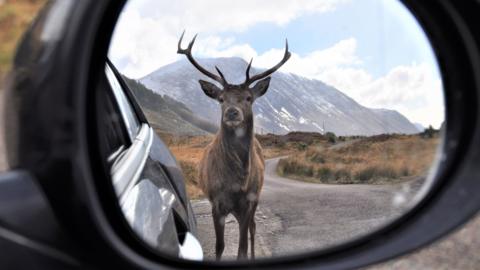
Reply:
x=292, y=103
x=167, y=114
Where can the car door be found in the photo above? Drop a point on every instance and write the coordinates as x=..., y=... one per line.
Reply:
x=144, y=174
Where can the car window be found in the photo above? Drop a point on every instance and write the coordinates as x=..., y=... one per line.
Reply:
x=128, y=115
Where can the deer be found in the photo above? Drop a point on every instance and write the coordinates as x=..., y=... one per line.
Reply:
x=231, y=170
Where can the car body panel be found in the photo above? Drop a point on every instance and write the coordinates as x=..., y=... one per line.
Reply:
x=147, y=179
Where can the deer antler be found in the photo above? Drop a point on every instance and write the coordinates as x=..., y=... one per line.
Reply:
x=188, y=52
x=266, y=73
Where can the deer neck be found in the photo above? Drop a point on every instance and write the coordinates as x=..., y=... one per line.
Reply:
x=237, y=143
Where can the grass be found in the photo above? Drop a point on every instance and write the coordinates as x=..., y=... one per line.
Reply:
x=188, y=151
x=315, y=158
x=373, y=160
x=190, y=173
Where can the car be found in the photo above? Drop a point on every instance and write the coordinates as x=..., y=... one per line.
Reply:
x=145, y=175
x=68, y=111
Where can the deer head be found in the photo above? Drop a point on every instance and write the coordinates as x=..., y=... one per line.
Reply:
x=236, y=100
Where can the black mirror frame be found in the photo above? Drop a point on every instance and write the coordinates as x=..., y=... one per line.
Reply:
x=59, y=148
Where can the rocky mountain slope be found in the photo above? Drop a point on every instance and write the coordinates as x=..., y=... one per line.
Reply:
x=167, y=114
x=292, y=103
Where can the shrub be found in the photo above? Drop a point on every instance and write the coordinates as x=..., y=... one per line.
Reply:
x=316, y=156
x=301, y=146
x=331, y=137
x=368, y=160
x=387, y=172
x=281, y=144
x=374, y=172
x=324, y=174
x=307, y=171
x=405, y=171
x=282, y=163
x=429, y=132
x=287, y=166
x=365, y=174
x=343, y=175
x=292, y=167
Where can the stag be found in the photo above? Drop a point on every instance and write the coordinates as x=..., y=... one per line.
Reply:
x=232, y=166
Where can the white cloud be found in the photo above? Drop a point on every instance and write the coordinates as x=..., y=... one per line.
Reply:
x=310, y=65
x=141, y=45
x=147, y=33
x=221, y=15
x=414, y=90
x=146, y=39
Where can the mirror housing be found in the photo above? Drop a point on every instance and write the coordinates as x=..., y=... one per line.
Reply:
x=49, y=135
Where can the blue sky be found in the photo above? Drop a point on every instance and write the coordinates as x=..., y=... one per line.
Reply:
x=372, y=50
x=386, y=33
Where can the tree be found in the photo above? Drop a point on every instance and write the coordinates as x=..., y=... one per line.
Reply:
x=429, y=132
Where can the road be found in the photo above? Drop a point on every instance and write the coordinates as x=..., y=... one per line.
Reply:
x=295, y=216
x=457, y=251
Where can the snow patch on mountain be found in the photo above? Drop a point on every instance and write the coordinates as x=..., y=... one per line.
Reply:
x=292, y=102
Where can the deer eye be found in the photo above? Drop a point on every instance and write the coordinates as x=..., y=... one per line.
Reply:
x=220, y=100
x=249, y=98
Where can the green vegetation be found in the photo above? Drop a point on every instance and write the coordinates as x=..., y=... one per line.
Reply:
x=301, y=146
x=429, y=133
x=331, y=137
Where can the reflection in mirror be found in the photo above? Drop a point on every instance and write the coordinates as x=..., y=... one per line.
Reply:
x=314, y=143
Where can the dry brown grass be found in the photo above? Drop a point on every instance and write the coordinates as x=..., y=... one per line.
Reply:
x=188, y=151
x=376, y=159
x=190, y=172
x=292, y=143
x=15, y=16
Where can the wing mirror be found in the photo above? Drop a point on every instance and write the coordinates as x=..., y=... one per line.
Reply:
x=344, y=154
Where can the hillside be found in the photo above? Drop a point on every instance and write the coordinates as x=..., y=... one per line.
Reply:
x=167, y=115
x=292, y=103
x=380, y=159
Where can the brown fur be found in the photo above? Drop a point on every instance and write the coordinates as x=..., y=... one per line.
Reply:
x=231, y=176
x=231, y=169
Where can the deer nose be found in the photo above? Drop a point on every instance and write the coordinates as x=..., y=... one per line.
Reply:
x=231, y=114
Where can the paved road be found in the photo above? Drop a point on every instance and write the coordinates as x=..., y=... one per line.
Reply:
x=295, y=216
x=457, y=251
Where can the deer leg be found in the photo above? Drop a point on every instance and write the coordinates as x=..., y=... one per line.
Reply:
x=243, y=223
x=252, y=229
x=219, y=225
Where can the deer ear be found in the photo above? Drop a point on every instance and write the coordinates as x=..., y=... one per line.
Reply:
x=261, y=87
x=210, y=89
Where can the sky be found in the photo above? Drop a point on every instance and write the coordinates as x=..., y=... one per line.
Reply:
x=372, y=50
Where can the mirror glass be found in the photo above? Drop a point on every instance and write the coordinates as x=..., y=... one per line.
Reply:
x=317, y=141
